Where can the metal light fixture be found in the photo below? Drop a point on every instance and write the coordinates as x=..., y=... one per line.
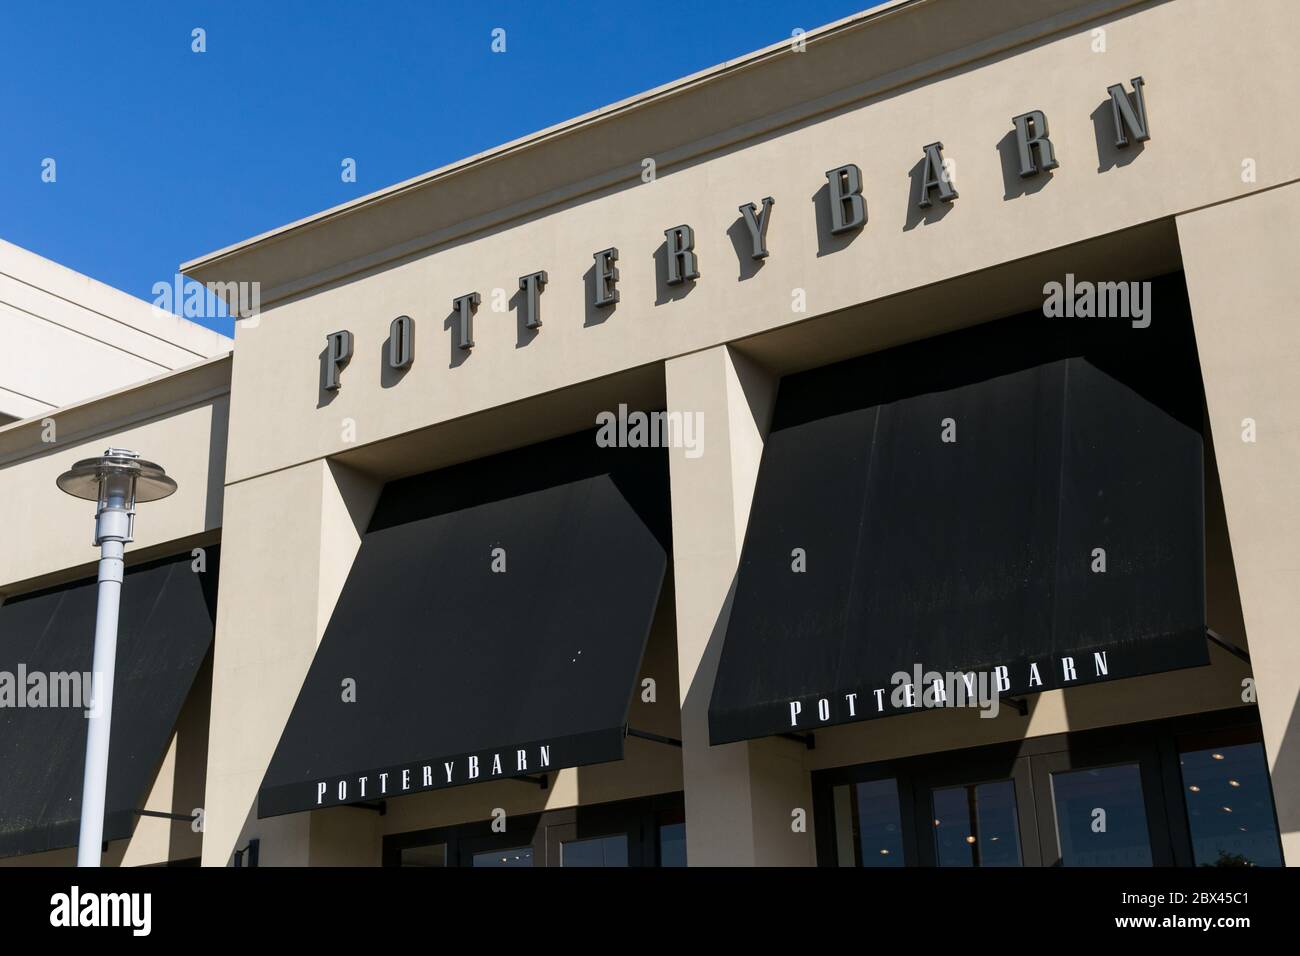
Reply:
x=116, y=481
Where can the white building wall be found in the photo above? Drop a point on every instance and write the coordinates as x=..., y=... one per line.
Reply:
x=65, y=337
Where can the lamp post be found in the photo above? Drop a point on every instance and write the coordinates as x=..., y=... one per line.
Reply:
x=116, y=480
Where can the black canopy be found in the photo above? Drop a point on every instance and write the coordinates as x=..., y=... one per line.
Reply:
x=492, y=625
x=927, y=557
x=165, y=626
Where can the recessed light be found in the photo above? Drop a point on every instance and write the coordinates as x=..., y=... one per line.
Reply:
x=1217, y=756
x=1194, y=788
x=1234, y=783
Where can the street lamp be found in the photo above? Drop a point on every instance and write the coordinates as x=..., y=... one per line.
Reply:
x=115, y=481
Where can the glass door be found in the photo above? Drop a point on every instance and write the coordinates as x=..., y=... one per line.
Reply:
x=978, y=810
x=1102, y=808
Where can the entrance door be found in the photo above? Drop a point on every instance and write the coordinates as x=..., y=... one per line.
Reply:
x=1187, y=791
x=976, y=810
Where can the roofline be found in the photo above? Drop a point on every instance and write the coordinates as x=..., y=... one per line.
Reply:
x=566, y=127
x=118, y=409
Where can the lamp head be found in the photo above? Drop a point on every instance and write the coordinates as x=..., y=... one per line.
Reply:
x=117, y=480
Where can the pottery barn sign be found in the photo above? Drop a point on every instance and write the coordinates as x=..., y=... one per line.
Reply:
x=433, y=775
x=848, y=213
x=920, y=689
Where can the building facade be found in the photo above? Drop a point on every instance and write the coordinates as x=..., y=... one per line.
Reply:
x=876, y=450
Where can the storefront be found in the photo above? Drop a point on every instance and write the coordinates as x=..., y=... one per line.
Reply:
x=875, y=453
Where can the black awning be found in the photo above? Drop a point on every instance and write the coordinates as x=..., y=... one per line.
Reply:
x=464, y=672
x=165, y=626
x=928, y=557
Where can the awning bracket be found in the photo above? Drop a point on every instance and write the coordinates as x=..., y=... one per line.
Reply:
x=655, y=738
x=378, y=806
x=808, y=740
x=186, y=817
x=541, y=781
x=1238, y=652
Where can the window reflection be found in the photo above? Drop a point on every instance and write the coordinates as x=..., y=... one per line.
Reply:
x=596, y=851
x=520, y=856
x=868, y=825
x=672, y=844
x=1229, y=805
x=977, y=825
x=1101, y=817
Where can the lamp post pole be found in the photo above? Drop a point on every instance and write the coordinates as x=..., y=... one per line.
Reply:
x=116, y=481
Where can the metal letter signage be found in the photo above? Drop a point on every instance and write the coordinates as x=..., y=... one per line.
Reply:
x=401, y=342
x=1031, y=131
x=606, y=277
x=1135, y=120
x=934, y=176
x=682, y=264
x=532, y=286
x=338, y=352
x=464, y=306
x=758, y=226
x=848, y=212
x=848, y=208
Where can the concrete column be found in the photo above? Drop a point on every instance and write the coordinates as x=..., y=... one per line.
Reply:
x=739, y=797
x=1244, y=287
x=288, y=542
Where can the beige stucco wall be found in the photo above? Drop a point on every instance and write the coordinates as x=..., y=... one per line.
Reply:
x=1243, y=286
x=178, y=420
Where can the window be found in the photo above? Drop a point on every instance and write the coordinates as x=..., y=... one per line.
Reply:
x=672, y=837
x=1229, y=801
x=869, y=824
x=595, y=851
x=650, y=831
x=516, y=856
x=976, y=825
x=1190, y=790
x=1101, y=818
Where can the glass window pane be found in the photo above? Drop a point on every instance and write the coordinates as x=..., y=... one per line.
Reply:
x=596, y=851
x=1101, y=817
x=435, y=854
x=977, y=825
x=672, y=844
x=868, y=824
x=519, y=856
x=1230, y=806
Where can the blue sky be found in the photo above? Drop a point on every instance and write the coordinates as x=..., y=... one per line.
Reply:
x=163, y=154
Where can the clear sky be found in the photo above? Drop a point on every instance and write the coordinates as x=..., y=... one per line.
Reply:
x=162, y=154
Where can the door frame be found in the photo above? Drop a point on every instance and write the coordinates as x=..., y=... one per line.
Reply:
x=1154, y=745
